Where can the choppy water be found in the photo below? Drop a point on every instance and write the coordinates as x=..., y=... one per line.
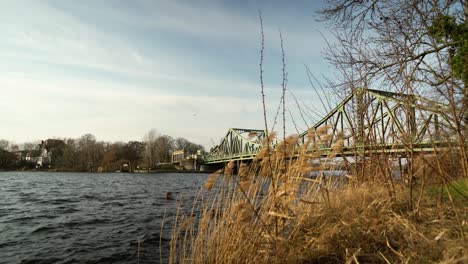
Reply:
x=89, y=218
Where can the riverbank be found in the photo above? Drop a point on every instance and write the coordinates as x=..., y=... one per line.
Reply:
x=135, y=171
x=170, y=171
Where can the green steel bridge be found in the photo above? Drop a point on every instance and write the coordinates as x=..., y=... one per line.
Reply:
x=368, y=121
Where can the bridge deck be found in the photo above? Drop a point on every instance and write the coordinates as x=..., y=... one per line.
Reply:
x=426, y=147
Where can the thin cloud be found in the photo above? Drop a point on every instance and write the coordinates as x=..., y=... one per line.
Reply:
x=91, y=66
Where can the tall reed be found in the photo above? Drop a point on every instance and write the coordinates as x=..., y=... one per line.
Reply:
x=309, y=217
x=286, y=206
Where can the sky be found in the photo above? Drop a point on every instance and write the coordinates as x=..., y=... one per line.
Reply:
x=117, y=69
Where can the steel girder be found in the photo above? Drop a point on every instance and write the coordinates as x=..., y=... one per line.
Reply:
x=237, y=144
x=372, y=117
x=379, y=121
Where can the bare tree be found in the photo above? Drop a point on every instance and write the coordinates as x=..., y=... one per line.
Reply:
x=90, y=152
x=30, y=145
x=413, y=46
x=165, y=145
x=4, y=144
x=70, y=154
x=150, y=154
x=133, y=151
x=189, y=147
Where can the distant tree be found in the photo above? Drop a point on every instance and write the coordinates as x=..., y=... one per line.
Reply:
x=90, y=152
x=111, y=156
x=56, y=147
x=7, y=160
x=70, y=155
x=133, y=151
x=181, y=143
x=150, y=154
x=189, y=147
x=14, y=147
x=4, y=144
x=28, y=146
x=87, y=154
x=164, y=147
x=158, y=148
x=9, y=146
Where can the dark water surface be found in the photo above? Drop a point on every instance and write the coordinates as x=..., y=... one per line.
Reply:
x=89, y=217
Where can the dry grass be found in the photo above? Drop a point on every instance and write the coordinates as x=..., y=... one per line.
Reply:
x=272, y=211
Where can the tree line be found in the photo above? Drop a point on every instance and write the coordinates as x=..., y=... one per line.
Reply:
x=86, y=153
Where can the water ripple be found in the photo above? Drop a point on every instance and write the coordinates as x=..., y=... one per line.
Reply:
x=88, y=218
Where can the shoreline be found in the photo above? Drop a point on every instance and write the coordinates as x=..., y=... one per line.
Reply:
x=134, y=172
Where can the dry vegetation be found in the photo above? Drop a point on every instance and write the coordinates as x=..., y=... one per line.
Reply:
x=284, y=207
x=272, y=211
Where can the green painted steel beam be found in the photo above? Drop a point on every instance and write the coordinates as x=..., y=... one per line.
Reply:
x=234, y=140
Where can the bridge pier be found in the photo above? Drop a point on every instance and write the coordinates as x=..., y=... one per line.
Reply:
x=211, y=167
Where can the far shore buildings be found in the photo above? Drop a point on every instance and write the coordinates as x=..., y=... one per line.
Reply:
x=41, y=156
x=178, y=156
x=185, y=161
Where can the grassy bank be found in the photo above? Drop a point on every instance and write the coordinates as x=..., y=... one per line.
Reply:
x=273, y=213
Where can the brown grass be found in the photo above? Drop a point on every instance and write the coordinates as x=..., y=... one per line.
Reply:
x=274, y=212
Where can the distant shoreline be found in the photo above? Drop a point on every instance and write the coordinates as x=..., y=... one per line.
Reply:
x=168, y=171
x=135, y=172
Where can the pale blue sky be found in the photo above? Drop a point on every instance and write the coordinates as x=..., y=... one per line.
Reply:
x=116, y=69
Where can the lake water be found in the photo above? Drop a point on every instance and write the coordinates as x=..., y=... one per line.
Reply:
x=90, y=217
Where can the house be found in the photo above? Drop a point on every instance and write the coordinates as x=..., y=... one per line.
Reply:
x=42, y=156
x=185, y=161
x=39, y=157
x=178, y=156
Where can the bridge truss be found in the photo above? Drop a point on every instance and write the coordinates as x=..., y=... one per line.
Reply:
x=365, y=121
x=237, y=144
x=381, y=121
